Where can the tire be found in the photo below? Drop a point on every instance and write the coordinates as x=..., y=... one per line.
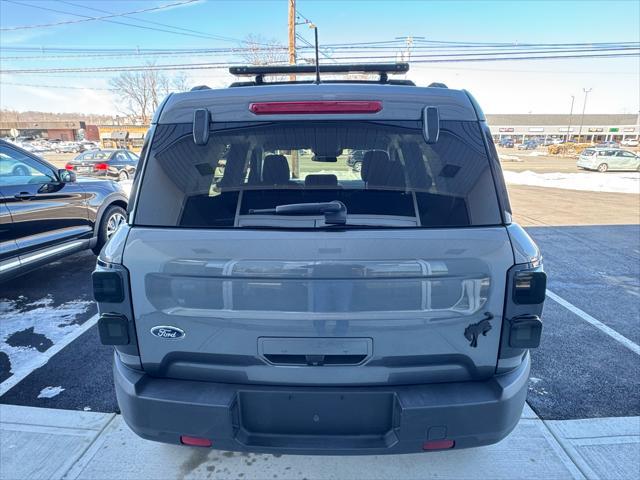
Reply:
x=20, y=171
x=357, y=167
x=603, y=167
x=112, y=218
x=123, y=175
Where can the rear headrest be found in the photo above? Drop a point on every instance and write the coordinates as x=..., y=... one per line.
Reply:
x=275, y=170
x=379, y=171
x=321, y=180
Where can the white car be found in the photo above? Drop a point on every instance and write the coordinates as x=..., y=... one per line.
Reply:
x=630, y=142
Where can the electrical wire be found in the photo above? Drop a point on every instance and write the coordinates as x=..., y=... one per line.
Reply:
x=90, y=19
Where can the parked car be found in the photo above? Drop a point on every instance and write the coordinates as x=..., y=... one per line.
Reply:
x=117, y=164
x=88, y=146
x=528, y=145
x=607, y=159
x=322, y=314
x=354, y=159
x=506, y=143
x=67, y=147
x=46, y=213
x=608, y=144
x=629, y=142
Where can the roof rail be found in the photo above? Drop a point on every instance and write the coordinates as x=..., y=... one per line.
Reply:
x=437, y=85
x=260, y=71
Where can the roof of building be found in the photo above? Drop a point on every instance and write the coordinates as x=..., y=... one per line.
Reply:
x=560, y=119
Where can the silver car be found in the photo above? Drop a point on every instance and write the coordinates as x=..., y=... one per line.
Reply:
x=608, y=159
x=288, y=304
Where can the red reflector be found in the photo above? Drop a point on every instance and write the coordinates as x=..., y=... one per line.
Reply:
x=68, y=166
x=100, y=166
x=195, y=441
x=438, y=445
x=338, y=106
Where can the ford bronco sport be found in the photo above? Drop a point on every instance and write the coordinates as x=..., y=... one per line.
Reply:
x=264, y=297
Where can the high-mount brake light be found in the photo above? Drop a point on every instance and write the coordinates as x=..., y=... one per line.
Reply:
x=322, y=107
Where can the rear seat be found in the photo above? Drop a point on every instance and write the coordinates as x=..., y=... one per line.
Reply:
x=379, y=171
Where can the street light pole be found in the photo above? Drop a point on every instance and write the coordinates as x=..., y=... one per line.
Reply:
x=584, y=106
x=573, y=98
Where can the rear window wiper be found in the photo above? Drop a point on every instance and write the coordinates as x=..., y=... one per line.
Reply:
x=335, y=212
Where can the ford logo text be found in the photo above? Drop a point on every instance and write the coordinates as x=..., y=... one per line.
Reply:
x=165, y=331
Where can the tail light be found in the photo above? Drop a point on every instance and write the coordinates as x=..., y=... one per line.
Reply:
x=325, y=107
x=108, y=287
x=68, y=166
x=529, y=287
x=100, y=166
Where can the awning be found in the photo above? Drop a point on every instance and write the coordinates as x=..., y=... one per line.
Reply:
x=119, y=135
x=135, y=135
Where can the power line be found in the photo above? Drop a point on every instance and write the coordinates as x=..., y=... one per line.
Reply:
x=222, y=65
x=150, y=22
x=64, y=87
x=215, y=37
x=89, y=19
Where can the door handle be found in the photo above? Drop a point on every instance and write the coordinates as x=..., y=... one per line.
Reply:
x=25, y=195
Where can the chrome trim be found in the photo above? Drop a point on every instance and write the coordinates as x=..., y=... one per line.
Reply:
x=37, y=256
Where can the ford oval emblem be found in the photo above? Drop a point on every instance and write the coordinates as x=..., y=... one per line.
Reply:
x=166, y=331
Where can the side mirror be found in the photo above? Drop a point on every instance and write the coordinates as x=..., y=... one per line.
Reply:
x=66, y=176
x=431, y=124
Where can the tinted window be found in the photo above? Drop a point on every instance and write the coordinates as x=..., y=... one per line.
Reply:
x=403, y=182
x=120, y=157
x=19, y=169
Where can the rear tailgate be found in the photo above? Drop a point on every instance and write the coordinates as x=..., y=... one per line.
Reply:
x=319, y=307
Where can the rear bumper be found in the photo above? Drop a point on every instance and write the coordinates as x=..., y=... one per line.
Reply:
x=322, y=420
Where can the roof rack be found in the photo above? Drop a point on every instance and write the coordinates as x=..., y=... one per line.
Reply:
x=383, y=69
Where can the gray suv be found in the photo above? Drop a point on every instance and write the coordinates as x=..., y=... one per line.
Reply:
x=264, y=297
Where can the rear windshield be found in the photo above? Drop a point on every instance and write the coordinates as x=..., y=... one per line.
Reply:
x=385, y=174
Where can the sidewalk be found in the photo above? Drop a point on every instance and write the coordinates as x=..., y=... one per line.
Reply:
x=47, y=443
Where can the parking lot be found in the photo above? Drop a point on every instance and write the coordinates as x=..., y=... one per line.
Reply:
x=586, y=367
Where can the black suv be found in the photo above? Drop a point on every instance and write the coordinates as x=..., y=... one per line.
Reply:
x=46, y=213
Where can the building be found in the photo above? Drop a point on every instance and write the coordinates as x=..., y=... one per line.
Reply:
x=593, y=128
x=64, y=131
x=122, y=136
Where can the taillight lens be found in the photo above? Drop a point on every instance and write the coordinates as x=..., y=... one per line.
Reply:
x=108, y=287
x=529, y=287
x=326, y=107
x=68, y=166
x=100, y=166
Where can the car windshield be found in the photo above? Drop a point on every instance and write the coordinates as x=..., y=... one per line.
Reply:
x=398, y=180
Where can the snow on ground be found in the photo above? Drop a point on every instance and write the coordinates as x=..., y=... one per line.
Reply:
x=624, y=182
x=39, y=321
x=50, y=392
x=505, y=157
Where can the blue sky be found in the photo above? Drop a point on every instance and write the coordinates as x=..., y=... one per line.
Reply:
x=502, y=87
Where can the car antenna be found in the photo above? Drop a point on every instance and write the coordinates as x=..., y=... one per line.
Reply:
x=315, y=33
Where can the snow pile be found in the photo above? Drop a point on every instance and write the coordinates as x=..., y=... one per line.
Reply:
x=50, y=392
x=509, y=158
x=591, y=181
x=536, y=154
x=45, y=320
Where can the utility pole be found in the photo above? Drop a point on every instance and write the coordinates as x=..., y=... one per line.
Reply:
x=295, y=167
x=584, y=106
x=292, y=35
x=573, y=98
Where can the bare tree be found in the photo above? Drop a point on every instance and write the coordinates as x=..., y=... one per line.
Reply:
x=140, y=93
x=260, y=51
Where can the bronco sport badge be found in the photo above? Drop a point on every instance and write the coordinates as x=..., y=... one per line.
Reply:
x=164, y=331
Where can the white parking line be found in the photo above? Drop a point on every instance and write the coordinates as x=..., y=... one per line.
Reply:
x=634, y=347
x=42, y=360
